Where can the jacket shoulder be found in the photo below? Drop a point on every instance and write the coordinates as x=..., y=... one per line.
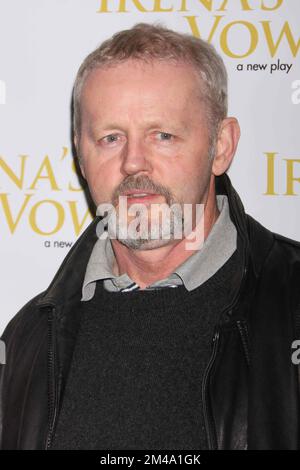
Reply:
x=276, y=259
x=287, y=251
x=271, y=243
x=287, y=242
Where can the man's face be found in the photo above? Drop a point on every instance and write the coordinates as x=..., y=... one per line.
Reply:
x=144, y=127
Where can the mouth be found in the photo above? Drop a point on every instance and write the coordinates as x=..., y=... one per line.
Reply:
x=137, y=195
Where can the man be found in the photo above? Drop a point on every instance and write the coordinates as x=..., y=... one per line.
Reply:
x=142, y=342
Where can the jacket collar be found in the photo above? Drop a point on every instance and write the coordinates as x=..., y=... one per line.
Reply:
x=256, y=239
x=67, y=283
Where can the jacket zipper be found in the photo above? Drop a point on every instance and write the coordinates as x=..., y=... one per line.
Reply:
x=244, y=338
x=208, y=418
x=52, y=397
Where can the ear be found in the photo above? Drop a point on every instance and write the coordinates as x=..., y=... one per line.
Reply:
x=227, y=141
x=76, y=143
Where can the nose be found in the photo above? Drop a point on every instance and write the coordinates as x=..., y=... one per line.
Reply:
x=135, y=158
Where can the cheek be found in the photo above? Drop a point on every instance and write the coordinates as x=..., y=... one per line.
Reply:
x=194, y=176
x=102, y=180
x=200, y=166
x=189, y=169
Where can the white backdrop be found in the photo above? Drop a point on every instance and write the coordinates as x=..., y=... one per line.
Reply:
x=43, y=42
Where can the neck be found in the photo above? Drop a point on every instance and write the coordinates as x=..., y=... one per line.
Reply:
x=147, y=266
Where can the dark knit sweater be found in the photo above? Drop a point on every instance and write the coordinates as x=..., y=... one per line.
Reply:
x=137, y=368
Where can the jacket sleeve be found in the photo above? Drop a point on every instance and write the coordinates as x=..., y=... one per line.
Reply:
x=12, y=339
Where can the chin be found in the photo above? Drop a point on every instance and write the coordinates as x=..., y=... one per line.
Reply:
x=142, y=244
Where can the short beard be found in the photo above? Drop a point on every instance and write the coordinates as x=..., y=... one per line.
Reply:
x=163, y=232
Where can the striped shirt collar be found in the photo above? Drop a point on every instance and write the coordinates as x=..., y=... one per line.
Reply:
x=220, y=244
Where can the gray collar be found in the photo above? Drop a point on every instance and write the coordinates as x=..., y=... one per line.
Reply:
x=218, y=247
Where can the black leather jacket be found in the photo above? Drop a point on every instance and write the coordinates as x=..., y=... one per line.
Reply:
x=250, y=388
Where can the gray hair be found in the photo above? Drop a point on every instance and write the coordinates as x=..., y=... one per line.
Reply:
x=147, y=42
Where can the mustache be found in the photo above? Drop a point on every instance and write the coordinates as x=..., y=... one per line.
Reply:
x=144, y=183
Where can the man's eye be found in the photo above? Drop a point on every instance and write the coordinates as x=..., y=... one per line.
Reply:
x=165, y=136
x=109, y=139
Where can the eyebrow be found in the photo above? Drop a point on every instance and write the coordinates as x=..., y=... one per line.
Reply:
x=150, y=125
